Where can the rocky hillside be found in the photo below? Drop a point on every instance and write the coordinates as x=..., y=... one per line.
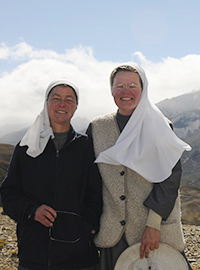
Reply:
x=9, y=250
x=190, y=204
x=6, y=151
x=5, y=155
x=191, y=160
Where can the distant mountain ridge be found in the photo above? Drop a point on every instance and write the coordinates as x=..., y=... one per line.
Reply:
x=184, y=112
x=180, y=104
x=13, y=137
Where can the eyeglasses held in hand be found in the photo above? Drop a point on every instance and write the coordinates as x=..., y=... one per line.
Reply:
x=52, y=229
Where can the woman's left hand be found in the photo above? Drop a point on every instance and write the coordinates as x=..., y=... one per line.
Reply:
x=150, y=241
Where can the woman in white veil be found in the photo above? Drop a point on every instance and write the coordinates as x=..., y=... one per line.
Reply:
x=138, y=155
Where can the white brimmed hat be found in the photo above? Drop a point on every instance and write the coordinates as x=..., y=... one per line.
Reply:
x=163, y=258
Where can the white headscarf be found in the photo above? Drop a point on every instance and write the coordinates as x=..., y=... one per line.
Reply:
x=147, y=143
x=38, y=134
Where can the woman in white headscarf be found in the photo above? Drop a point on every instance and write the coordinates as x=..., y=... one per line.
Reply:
x=53, y=189
x=138, y=156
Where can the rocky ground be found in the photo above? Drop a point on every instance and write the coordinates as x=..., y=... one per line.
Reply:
x=8, y=244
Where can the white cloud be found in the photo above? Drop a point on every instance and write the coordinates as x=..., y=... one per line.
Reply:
x=171, y=77
x=22, y=89
x=4, y=51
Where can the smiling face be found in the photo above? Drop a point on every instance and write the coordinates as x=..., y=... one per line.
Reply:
x=62, y=105
x=126, y=91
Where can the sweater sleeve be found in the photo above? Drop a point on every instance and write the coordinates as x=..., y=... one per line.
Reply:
x=153, y=220
x=15, y=202
x=163, y=195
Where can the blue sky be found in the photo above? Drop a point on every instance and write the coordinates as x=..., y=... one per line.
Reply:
x=114, y=29
x=84, y=40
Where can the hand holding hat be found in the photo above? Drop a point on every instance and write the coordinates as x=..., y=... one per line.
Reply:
x=163, y=258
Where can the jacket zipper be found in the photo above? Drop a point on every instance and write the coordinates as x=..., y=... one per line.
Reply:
x=49, y=253
x=57, y=159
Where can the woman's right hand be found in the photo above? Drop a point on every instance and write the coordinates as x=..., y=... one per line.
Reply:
x=150, y=241
x=45, y=215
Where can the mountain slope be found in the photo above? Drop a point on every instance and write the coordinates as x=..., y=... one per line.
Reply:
x=5, y=155
x=180, y=104
x=190, y=204
x=14, y=137
x=184, y=112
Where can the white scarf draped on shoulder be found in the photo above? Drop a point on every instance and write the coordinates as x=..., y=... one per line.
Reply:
x=37, y=136
x=147, y=143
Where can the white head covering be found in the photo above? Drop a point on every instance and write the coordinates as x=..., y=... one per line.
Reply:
x=147, y=144
x=38, y=134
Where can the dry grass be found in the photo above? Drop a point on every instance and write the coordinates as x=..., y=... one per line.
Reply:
x=2, y=244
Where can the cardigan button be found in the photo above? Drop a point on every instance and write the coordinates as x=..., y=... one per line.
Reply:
x=123, y=222
x=122, y=173
x=123, y=197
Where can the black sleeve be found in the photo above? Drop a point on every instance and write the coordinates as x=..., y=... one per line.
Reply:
x=93, y=206
x=89, y=130
x=163, y=195
x=16, y=204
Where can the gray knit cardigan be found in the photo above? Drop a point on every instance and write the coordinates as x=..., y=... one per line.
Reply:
x=124, y=192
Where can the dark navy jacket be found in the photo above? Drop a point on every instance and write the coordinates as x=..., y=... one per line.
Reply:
x=69, y=182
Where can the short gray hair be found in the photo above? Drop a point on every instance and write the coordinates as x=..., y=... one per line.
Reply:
x=125, y=68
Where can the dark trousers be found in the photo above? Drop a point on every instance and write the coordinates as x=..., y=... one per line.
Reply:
x=109, y=256
x=90, y=268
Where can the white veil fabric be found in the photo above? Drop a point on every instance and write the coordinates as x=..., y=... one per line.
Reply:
x=37, y=136
x=147, y=143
